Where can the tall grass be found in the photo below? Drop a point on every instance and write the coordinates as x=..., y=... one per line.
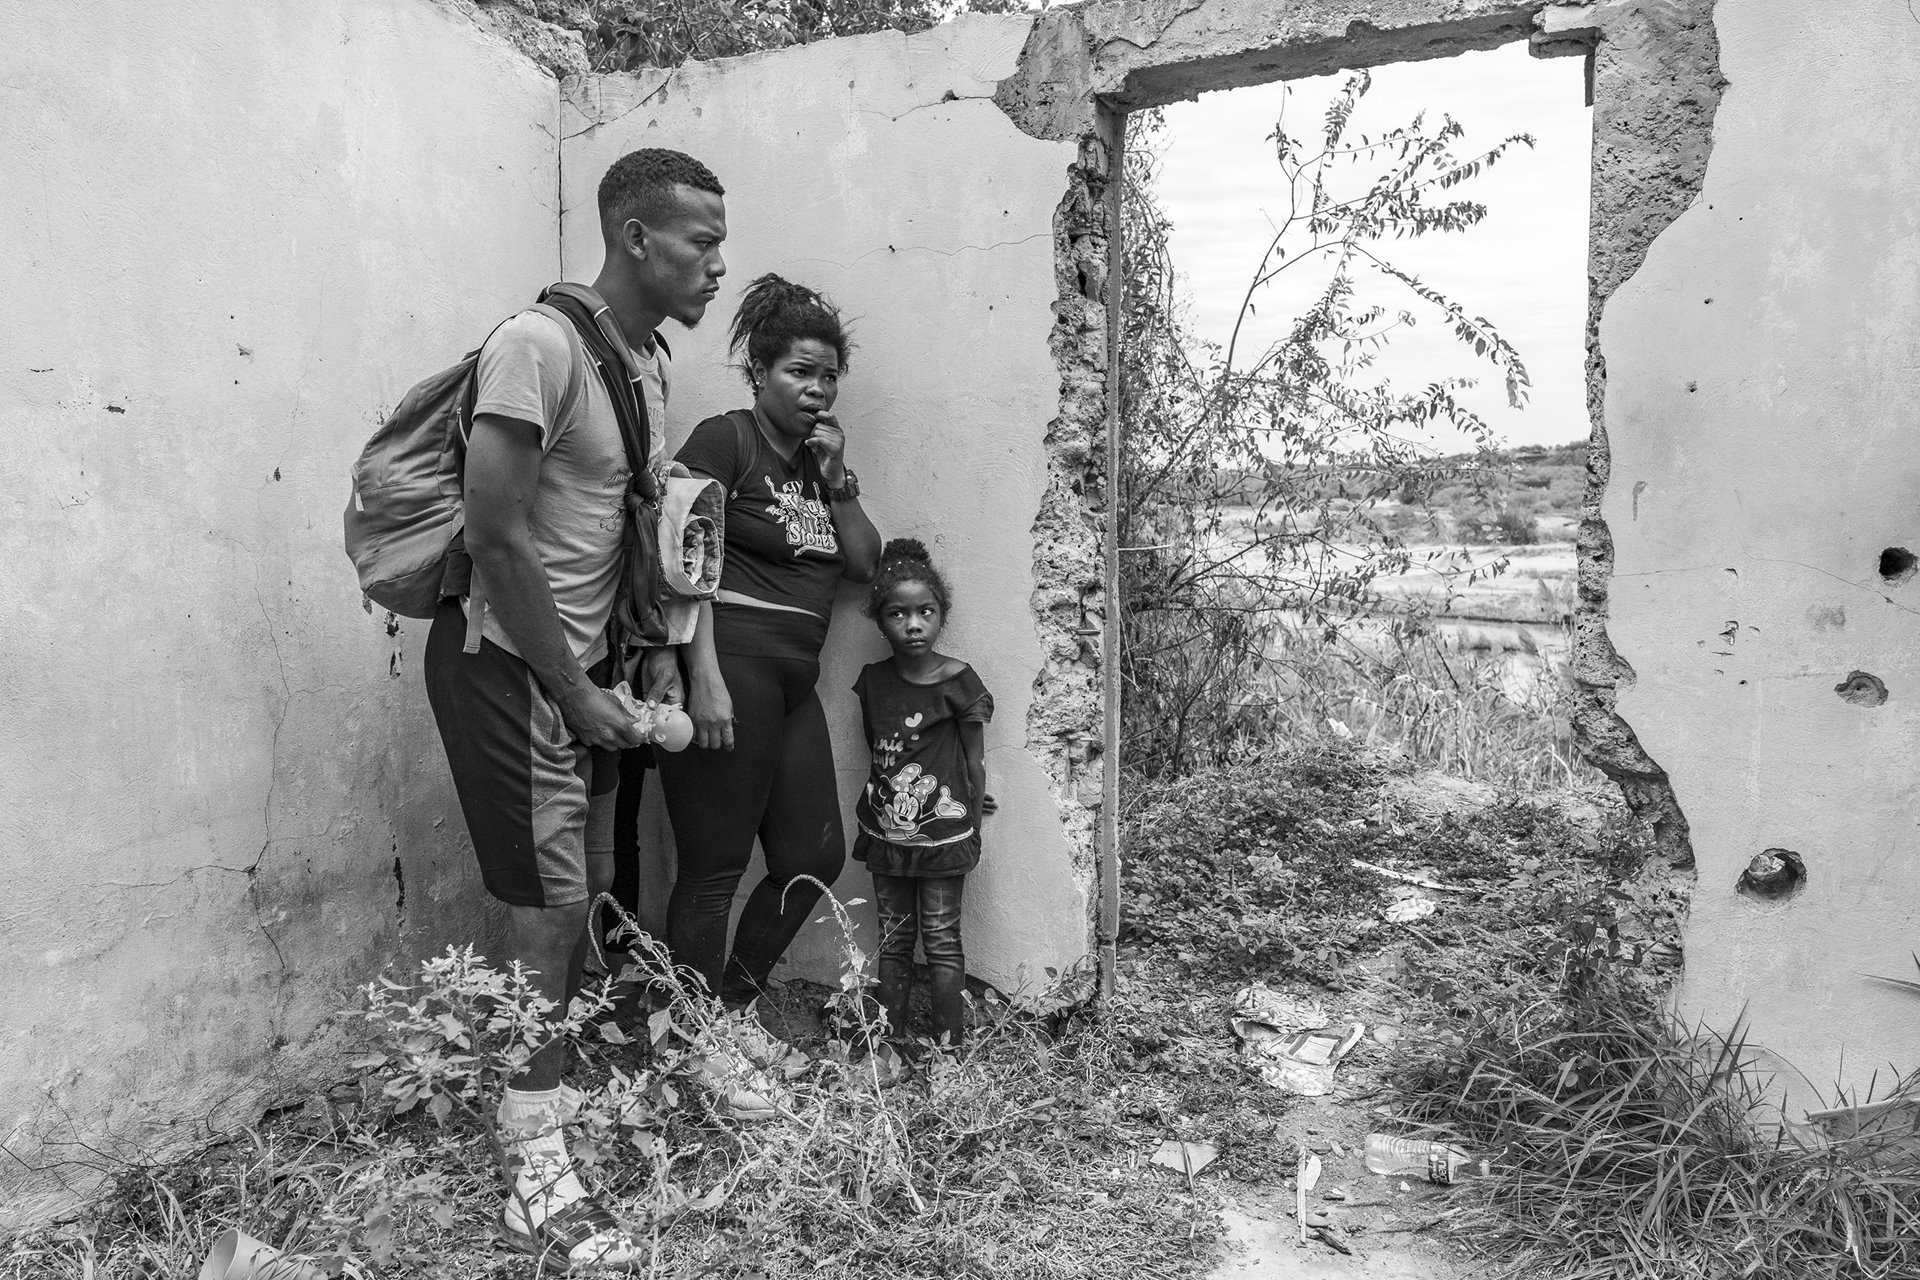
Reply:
x=1630, y=1147
x=1457, y=705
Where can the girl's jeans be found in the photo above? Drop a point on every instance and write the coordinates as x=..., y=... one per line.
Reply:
x=927, y=910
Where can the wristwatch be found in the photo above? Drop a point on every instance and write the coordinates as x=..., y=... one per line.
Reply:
x=848, y=490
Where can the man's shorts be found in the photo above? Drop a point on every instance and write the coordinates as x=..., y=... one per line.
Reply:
x=535, y=799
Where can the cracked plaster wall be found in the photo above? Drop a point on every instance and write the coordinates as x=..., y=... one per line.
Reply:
x=880, y=169
x=235, y=232
x=1752, y=268
x=214, y=760
x=1760, y=399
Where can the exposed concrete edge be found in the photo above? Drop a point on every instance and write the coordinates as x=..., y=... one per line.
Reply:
x=548, y=32
x=1319, y=43
x=1049, y=97
x=1657, y=85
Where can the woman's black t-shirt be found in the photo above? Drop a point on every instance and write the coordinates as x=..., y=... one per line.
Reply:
x=781, y=544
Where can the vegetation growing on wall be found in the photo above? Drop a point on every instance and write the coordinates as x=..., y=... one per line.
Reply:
x=625, y=35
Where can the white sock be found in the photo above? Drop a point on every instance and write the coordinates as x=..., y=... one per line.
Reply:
x=530, y=1122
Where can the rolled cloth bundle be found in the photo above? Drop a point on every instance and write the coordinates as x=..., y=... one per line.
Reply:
x=693, y=531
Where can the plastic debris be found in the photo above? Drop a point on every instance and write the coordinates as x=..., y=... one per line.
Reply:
x=1287, y=1042
x=238, y=1256
x=1424, y=882
x=1437, y=1162
x=1184, y=1157
x=1308, y=1178
x=1408, y=907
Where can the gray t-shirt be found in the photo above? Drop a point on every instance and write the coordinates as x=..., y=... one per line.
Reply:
x=524, y=373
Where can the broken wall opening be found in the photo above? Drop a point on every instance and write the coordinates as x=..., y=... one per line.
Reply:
x=1696, y=356
x=1296, y=412
x=1655, y=83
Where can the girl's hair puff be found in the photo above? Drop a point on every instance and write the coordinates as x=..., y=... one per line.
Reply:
x=906, y=560
x=775, y=313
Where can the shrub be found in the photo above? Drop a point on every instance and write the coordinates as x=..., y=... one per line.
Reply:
x=1515, y=527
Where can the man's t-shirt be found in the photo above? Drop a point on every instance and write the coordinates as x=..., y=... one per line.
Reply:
x=524, y=372
x=782, y=547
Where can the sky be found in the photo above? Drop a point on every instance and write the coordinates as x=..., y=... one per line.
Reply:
x=1523, y=267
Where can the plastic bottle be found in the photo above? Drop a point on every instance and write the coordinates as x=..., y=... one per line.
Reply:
x=1421, y=1158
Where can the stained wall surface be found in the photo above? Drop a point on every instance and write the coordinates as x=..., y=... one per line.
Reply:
x=234, y=234
x=880, y=170
x=1761, y=396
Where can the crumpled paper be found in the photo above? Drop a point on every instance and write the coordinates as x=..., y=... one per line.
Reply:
x=1287, y=1040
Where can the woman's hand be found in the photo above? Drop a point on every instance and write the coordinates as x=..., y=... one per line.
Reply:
x=829, y=445
x=711, y=708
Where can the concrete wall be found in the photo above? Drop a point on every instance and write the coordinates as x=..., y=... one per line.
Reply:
x=235, y=232
x=1752, y=275
x=880, y=170
x=239, y=231
x=1761, y=397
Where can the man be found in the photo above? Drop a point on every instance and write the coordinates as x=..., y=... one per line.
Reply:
x=531, y=735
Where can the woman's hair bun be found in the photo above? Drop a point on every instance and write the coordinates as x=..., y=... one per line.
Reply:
x=905, y=549
x=775, y=313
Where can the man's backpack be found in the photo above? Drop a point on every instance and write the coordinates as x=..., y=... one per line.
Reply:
x=406, y=521
x=405, y=524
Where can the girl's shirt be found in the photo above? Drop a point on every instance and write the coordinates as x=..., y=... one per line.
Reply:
x=781, y=544
x=916, y=813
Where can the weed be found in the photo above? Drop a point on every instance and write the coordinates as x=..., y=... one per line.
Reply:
x=998, y=1160
x=1627, y=1145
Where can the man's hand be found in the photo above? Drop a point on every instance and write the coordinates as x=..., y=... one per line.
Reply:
x=988, y=805
x=711, y=709
x=660, y=676
x=596, y=718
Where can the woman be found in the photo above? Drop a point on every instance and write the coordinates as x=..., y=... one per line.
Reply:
x=761, y=763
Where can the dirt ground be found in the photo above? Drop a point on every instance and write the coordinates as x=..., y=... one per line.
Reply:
x=1383, y=1222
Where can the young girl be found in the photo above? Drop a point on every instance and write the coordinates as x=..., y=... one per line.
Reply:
x=925, y=715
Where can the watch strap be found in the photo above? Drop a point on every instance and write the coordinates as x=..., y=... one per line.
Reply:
x=848, y=490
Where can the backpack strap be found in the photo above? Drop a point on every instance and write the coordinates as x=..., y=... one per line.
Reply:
x=600, y=335
x=606, y=346
x=570, y=404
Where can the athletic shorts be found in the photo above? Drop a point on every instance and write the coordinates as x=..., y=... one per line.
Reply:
x=536, y=800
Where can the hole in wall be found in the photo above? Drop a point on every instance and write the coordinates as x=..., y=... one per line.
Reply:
x=1897, y=564
x=1773, y=876
x=1862, y=689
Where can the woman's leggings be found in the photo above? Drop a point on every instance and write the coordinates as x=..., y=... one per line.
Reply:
x=777, y=783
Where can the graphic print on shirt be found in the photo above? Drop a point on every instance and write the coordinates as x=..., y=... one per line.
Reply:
x=808, y=521
x=905, y=812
